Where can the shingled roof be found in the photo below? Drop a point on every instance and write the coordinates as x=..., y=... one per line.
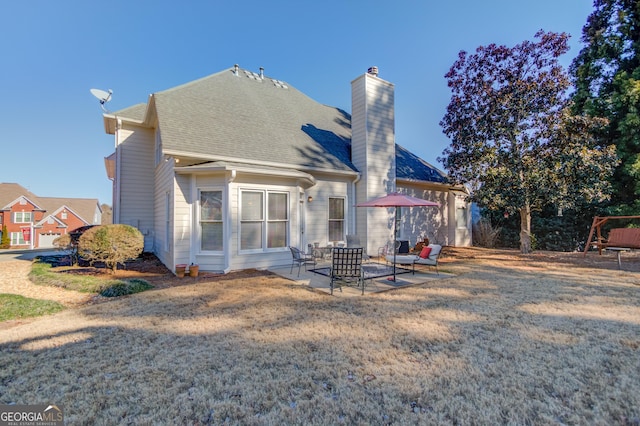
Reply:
x=85, y=208
x=10, y=192
x=238, y=115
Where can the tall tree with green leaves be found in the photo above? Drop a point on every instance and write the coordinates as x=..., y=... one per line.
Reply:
x=513, y=139
x=606, y=75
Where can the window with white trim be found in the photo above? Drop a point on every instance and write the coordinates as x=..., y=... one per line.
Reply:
x=461, y=217
x=211, y=221
x=277, y=219
x=17, y=239
x=264, y=220
x=336, y=219
x=22, y=217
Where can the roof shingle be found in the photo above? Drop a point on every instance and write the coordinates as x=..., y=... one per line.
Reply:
x=240, y=117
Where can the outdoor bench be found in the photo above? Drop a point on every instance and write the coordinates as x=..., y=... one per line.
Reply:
x=622, y=239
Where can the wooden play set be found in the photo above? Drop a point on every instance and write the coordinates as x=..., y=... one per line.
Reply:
x=618, y=239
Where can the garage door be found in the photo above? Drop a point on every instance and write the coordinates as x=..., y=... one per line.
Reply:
x=46, y=240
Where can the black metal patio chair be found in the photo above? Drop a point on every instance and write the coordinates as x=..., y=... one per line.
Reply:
x=301, y=258
x=346, y=267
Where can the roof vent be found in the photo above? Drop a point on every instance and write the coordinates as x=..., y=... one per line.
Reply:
x=373, y=71
x=262, y=73
x=236, y=67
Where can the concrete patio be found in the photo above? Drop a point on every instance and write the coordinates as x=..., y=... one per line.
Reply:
x=321, y=283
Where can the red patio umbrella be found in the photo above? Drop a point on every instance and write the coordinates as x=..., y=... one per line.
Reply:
x=395, y=200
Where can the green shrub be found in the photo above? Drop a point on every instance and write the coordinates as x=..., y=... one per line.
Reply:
x=5, y=241
x=122, y=288
x=111, y=244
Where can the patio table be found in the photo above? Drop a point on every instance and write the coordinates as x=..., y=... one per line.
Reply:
x=323, y=251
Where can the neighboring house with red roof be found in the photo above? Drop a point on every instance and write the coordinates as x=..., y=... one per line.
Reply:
x=34, y=222
x=229, y=170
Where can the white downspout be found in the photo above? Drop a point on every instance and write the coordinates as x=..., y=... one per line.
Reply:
x=194, y=235
x=353, y=228
x=116, y=192
x=227, y=220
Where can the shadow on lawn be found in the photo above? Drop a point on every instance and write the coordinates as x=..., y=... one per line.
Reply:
x=520, y=344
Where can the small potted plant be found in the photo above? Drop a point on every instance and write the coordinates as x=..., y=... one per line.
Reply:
x=193, y=270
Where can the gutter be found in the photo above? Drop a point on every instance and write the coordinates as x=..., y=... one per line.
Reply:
x=248, y=169
x=204, y=157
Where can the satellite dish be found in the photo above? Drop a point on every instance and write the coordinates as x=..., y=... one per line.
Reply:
x=102, y=96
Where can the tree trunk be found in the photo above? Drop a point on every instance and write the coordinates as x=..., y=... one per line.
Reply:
x=525, y=229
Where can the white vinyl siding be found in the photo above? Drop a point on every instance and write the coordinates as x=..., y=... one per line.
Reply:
x=317, y=212
x=136, y=174
x=167, y=219
x=373, y=153
x=183, y=219
x=164, y=212
x=417, y=223
x=158, y=147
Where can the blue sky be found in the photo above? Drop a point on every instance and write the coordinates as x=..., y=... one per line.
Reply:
x=53, y=139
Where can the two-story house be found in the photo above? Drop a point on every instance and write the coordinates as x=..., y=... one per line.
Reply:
x=229, y=170
x=34, y=222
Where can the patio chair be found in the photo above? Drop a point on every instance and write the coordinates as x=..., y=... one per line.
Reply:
x=431, y=259
x=301, y=258
x=346, y=267
x=428, y=256
x=387, y=250
x=354, y=241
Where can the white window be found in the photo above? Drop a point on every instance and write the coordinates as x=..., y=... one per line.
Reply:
x=211, y=224
x=17, y=239
x=63, y=215
x=277, y=220
x=22, y=217
x=336, y=219
x=264, y=222
x=461, y=217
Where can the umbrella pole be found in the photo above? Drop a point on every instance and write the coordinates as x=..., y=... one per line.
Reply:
x=395, y=236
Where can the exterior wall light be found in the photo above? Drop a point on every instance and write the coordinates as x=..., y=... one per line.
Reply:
x=309, y=198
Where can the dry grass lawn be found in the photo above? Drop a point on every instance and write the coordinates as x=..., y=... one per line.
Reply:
x=542, y=339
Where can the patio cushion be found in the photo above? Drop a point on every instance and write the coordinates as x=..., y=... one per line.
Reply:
x=425, y=252
x=408, y=259
x=435, y=251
